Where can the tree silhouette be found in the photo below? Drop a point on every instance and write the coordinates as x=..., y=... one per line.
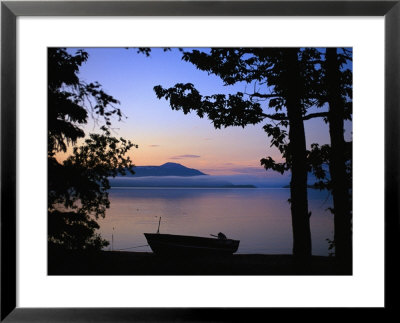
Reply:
x=288, y=81
x=336, y=81
x=339, y=110
x=78, y=186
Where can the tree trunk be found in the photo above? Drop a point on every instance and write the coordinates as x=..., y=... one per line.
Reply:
x=337, y=163
x=297, y=150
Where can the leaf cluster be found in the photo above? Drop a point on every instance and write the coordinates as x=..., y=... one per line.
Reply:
x=318, y=159
x=70, y=100
x=223, y=110
x=81, y=182
x=74, y=230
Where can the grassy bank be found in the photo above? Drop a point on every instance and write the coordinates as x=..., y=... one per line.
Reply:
x=143, y=263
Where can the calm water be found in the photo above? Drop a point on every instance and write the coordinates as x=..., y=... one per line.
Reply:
x=259, y=218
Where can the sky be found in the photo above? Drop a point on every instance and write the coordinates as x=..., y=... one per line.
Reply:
x=164, y=135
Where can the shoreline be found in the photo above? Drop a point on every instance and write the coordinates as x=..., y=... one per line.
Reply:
x=63, y=262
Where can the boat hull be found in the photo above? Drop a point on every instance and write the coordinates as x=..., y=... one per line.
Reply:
x=189, y=245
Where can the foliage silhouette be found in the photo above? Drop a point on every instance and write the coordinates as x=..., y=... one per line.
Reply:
x=77, y=187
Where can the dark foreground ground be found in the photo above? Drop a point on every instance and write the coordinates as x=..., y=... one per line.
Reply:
x=143, y=263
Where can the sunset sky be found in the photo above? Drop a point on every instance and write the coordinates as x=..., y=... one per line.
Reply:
x=164, y=135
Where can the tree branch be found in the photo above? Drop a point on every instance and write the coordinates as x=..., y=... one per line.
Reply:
x=281, y=117
x=277, y=117
x=264, y=96
x=315, y=115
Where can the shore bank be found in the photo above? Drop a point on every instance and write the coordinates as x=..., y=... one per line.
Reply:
x=144, y=263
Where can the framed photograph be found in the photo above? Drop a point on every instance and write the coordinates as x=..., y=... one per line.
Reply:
x=206, y=160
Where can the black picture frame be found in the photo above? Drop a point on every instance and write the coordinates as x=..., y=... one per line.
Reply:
x=10, y=10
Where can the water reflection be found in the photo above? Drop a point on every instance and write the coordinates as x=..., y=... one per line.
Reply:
x=259, y=218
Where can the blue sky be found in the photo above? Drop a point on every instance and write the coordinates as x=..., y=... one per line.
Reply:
x=164, y=135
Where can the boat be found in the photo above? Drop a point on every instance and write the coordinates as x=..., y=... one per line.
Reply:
x=173, y=244
x=162, y=243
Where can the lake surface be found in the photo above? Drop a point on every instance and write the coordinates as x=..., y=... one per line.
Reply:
x=260, y=218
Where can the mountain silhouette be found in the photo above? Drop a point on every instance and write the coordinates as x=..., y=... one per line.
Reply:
x=167, y=169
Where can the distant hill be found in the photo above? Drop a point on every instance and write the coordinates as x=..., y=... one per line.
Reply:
x=167, y=169
x=174, y=181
